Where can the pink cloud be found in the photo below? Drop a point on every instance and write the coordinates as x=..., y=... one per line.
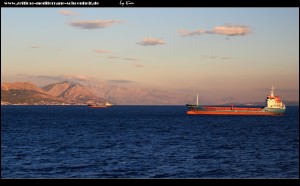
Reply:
x=67, y=13
x=93, y=24
x=228, y=29
x=148, y=41
x=112, y=57
x=77, y=77
x=138, y=65
x=231, y=30
x=102, y=51
x=215, y=57
x=131, y=59
x=191, y=33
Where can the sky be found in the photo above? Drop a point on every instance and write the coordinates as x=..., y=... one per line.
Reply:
x=217, y=52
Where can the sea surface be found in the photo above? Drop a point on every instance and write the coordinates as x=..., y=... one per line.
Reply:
x=145, y=142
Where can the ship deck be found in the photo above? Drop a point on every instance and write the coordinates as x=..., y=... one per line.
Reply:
x=224, y=108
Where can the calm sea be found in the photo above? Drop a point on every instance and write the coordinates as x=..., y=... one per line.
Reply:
x=145, y=142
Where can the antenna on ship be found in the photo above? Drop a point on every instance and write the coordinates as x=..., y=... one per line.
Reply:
x=272, y=91
x=197, y=100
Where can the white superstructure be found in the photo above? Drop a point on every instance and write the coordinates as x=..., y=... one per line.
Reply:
x=273, y=101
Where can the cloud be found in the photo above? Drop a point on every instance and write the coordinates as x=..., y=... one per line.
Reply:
x=215, y=57
x=76, y=77
x=228, y=29
x=112, y=57
x=35, y=46
x=225, y=57
x=131, y=59
x=58, y=78
x=210, y=57
x=134, y=61
x=93, y=24
x=148, y=41
x=118, y=81
x=67, y=13
x=191, y=33
x=231, y=30
x=138, y=65
x=102, y=51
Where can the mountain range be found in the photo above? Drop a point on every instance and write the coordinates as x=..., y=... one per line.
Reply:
x=84, y=92
x=57, y=93
x=137, y=96
x=68, y=92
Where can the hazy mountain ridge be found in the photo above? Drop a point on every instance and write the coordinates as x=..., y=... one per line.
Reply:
x=72, y=92
x=137, y=96
x=81, y=93
x=26, y=93
x=57, y=93
x=57, y=89
x=21, y=86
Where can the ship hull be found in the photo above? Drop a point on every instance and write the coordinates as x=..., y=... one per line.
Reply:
x=236, y=113
x=244, y=111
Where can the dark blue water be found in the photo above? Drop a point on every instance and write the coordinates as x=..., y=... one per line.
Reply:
x=145, y=142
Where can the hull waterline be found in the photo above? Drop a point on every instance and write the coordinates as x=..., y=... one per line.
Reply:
x=200, y=112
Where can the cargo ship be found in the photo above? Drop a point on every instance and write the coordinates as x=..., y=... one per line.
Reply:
x=273, y=107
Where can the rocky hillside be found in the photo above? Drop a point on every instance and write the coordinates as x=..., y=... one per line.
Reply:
x=26, y=93
x=21, y=86
x=57, y=89
x=88, y=92
x=58, y=93
x=72, y=92
x=137, y=96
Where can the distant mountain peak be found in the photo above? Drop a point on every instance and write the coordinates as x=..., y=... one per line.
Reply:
x=72, y=83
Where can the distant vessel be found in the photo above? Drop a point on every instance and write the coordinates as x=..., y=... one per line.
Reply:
x=106, y=105
x=273, y=106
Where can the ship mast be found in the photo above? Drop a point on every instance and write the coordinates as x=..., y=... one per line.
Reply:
x=197, y=100
x=272, y=91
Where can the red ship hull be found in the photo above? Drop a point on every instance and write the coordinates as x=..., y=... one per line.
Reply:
x=210, y=110
x=241, y=113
